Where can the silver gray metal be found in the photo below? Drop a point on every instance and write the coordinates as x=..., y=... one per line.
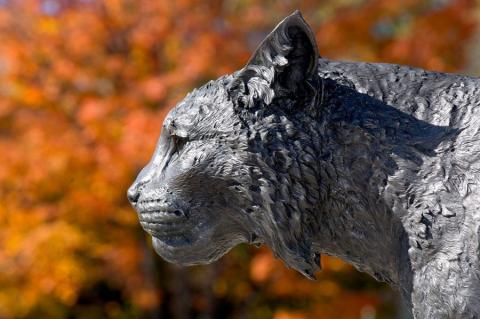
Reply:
x=377, y=164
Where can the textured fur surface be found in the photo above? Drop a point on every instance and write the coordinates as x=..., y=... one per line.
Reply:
x=377, y=164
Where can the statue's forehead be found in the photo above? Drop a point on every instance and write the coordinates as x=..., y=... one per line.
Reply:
x=207, y=104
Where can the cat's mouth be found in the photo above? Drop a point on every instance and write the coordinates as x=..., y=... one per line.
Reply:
x=161, y=216
x=159, y=219
x=163, y=230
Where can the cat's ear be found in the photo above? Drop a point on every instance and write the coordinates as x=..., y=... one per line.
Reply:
x=282, y=63
x=290, y=49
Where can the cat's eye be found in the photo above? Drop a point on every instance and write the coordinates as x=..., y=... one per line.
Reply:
x=178, y=142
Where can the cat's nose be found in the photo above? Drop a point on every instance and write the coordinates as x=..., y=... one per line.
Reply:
x=133, y=194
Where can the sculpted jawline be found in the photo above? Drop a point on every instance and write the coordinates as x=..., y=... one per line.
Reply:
x=377, y=164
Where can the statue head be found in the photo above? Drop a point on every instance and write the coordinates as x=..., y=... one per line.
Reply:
x=225, y=170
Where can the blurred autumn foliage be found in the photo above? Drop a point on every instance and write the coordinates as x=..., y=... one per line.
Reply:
x=84, y=85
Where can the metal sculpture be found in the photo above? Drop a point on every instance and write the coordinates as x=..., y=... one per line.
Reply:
x=377, y=164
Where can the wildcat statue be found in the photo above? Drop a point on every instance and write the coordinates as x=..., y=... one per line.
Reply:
x=377, y=164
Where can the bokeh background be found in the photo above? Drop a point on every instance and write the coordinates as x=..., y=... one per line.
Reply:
x=84, y=86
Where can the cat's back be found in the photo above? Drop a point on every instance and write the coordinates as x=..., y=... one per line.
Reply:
x=442, y=99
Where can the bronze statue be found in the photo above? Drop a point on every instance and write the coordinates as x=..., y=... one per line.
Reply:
x=377, y=164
